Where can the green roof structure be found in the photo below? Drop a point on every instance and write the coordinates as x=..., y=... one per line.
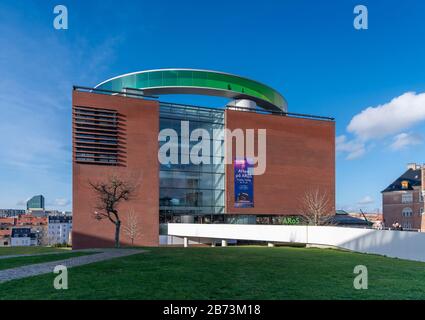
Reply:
x=194, y=81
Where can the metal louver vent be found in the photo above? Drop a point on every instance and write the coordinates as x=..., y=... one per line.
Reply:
x=97, y=136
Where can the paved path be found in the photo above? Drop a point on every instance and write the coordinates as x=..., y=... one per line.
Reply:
x=47, y=267
x=47, y=253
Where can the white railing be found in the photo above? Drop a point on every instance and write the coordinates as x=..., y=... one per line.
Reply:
x=398, y=244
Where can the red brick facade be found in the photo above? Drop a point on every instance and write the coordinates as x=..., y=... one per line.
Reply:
x=393, y=210
x=300, y=157
x=405, y=207
x=139, y=140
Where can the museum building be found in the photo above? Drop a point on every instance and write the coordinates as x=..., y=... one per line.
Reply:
x=121, y=127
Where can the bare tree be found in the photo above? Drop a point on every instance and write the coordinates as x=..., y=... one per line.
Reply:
x=316, y=208
x=131, y=228
x=110, y=193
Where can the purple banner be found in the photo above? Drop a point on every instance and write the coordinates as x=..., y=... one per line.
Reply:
x=244, y=184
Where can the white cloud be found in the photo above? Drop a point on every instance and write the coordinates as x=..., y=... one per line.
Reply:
x=403, y=140
x=389, y=120
x=62, y=202
x=353, y=148
x=366, y=201
x=21, y=203
x=399, y=114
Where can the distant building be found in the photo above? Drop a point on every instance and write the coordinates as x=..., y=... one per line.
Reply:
x=60, y=228
x=343, y=219
x=57, y=213
x=403, y=200
x=6, y=225
x=38, y=213
x=43, y=230
x=36, y=203
x=22, y=237
x=11, y=212
x=5, y=237
x=375, y=218
x=31, y=220
x=38, y=225
x=7, y=222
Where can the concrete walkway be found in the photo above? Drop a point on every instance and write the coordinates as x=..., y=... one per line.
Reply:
x=47, y=267
x=47, y=253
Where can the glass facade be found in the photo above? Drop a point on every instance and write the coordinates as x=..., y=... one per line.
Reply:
x=226, y=84
x=36, y=202
x=191, y=189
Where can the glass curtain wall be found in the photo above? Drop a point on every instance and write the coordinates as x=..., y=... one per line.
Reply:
x=188, y=189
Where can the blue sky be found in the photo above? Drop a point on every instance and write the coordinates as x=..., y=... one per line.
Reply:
x=308, y=50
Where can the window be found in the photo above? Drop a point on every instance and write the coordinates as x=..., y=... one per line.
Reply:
x=407, y=212
x=405, y=184
x=421, y=211
x=407, y=225
x=407, y=197
x=188, y=188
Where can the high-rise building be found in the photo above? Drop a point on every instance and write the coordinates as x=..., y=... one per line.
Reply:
x=36, y=203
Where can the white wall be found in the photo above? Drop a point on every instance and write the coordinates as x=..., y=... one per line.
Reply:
x=20, y=242
x=399, y=244
x=178, y=241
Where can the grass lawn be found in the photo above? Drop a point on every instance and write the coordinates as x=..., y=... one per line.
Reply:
x=231, y=273
x=23, y=261
x=5, y=251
